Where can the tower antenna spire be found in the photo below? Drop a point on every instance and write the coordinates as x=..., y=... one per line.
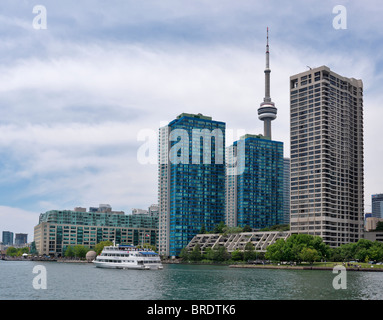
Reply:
x=267, y=111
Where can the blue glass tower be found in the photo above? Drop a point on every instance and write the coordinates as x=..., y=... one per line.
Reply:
x=259, y=186
x=191, y=180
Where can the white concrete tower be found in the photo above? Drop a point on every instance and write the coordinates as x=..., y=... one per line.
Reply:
x=267, y=111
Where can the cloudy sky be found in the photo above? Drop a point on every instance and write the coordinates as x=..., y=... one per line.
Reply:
x=78, y=98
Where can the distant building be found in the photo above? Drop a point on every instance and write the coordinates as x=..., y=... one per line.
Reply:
x=7, y=238
x=377, y=205
x=21, y=239
x=371, y=223
x=58, y=229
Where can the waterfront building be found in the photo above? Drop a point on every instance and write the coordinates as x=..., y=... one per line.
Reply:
x=255, y=194
x=237, y=241
x=286, y=191
x=255, y=190
x=377, y=205
x=21, y=239
x=191, y=179
x=7, y=238
x=326, y=114
x=58, y=229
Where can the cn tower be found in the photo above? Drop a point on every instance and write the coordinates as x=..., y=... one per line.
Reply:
x=267, y=110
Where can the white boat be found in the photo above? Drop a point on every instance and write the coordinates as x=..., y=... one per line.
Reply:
x=127, y=257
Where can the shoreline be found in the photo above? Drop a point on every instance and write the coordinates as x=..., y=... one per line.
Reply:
x=255, y=266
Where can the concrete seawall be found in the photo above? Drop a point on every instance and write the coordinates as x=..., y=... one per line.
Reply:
x=257, y=266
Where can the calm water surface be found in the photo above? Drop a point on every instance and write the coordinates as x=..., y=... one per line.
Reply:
x=187, y=282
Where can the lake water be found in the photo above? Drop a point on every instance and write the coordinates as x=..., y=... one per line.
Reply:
x=77, y=281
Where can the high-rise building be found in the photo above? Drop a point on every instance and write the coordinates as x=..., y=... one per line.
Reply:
x=254, y=190
x=191, y=179
x=286, y=191
x=21, y=239
x=7, y=238
x=326, y=114
x=255, y=194
x=377, y=205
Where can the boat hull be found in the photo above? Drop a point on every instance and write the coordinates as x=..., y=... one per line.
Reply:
x=132, y=266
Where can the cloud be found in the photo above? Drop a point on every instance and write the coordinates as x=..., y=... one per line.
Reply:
x=74, y=97
x=18, y=220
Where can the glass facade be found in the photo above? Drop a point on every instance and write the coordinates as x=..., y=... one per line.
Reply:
x=259, y=188
x=195, y=179
x=58, y=229
x=377, y=205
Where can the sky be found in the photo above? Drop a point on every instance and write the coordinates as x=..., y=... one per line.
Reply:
x=83, y=97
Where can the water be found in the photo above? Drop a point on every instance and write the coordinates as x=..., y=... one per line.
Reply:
x=77, y=281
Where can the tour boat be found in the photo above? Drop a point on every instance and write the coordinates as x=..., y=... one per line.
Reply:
x=127, y=257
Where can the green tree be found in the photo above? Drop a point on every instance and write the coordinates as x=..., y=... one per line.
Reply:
x=195, y=254
x=219, y=227
x=11, y=252
x=80, y=251
x=375, y=252
x=69, y=252
x=246, y=228
x=379, y=226
x=99, y=246
x=275, y=251
x=220, y=254
x=184, y=254
x=291, y=249
x=309, y=254
x=237, y=255
x=33, y=248
x=361, y=254
x=249, y=252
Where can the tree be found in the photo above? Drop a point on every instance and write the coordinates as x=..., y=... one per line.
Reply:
x=184, y=254
x=379, y=226
x=237, y=255
x=33, y=248
x=219, y=227
x=69, y=252
x=11, y=251
x=309, y=254
x=99, y=246
x=294, y=248
x=220, y=253
x=80, y=251
x=275, y=252
x=375, y=252
x=249, y=252
x=246, y=228
x=203, y=229
x=196, y=255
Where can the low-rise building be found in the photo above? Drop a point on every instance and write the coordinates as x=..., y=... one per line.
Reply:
x=58, y=229
x=237, y=241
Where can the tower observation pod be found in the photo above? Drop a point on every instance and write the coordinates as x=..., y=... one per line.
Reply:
x=267, y=110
